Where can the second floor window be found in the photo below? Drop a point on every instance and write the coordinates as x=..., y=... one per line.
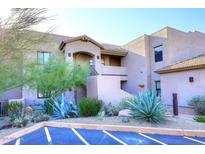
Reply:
x=158, y=53
x=43, y=57
x=158, y=88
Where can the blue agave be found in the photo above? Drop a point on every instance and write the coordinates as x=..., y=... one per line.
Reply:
x=63, y=109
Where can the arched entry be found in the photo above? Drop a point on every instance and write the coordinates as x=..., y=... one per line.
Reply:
x=82, y=57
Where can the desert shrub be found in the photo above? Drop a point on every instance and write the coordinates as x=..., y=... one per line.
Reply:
x=113, y=110
x=14, y=110
x=89, y=107
x=147, y=106
x=200, y=118
x=198, y=103
x=101, y=115
x=21, y=121
x=110, y=110
x=39, y=117
x=19, y=115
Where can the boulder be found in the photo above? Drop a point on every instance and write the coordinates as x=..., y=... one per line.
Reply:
x=125, y=113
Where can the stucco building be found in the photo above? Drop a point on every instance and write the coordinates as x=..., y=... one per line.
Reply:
x=167, y=61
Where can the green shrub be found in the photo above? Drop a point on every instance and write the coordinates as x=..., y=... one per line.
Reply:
x=14, y=109
x=147, y=106
x=198, y=103
x=200, y=118
x=39, y=117
x=89, y=107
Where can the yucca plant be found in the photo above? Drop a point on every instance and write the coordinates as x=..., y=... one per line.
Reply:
x=147, y=106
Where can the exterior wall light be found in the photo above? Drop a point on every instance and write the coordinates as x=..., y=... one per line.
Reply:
x=191, y=79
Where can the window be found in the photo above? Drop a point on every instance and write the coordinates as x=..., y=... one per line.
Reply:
x=158, y=88
x=43, y=57
x=158, y=55
x=41, y=93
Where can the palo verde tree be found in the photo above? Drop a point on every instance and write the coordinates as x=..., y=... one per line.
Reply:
x=16, y=39
x=55, y=78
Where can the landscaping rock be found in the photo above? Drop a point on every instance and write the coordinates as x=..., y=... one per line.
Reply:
x=125, y=113
x=125, y=119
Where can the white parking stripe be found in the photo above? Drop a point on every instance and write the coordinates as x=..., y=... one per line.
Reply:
x=152, y=139
x=17, y=141
x=79, y=136
x=195, y=140
x=115, y=138
x=47, y=134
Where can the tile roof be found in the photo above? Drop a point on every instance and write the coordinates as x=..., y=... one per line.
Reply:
x=190, y=64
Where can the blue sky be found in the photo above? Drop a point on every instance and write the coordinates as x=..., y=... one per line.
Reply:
x=119, y=26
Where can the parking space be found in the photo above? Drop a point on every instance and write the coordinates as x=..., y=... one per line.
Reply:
x=78, y=136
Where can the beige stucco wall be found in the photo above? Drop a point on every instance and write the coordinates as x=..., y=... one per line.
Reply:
x=179, y=83
x=177, y=46
x=137, y=62
x=81, y=46
x=157, y=38
x=184, y=45
x=106, y=88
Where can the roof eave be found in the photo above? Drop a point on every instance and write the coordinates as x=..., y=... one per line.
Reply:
x=116, y=53
x=165, y=71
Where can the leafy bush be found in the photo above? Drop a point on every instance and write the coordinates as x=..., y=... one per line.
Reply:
x=39, y=116
x=147, y=106
x=90, y=107
x=198, y=103
x=200, y=118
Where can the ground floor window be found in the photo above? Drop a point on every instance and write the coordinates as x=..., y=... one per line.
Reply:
x=42, y=93
x=158, y=88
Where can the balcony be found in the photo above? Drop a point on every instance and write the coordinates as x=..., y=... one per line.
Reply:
x=114, y=70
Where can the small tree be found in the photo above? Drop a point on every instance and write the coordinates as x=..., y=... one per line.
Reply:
x=16, y=39
x=56, y=77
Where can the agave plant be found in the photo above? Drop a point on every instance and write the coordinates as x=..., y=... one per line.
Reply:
x=147, y=106
x=63, y=109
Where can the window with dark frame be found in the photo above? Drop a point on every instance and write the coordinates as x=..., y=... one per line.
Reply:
x=158, y=88
x=43, y=57
x=42, y=93
x=158, y=53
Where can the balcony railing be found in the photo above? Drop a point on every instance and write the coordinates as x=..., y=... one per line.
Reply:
x=114, y=70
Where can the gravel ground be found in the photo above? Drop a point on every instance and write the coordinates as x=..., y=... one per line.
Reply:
x=181, y=122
